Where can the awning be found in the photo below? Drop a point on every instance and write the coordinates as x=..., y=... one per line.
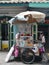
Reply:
x=39, y=4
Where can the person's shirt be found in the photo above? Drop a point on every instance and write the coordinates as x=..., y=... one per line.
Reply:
x=17, y=42
x=43, y=39
x=16, y=39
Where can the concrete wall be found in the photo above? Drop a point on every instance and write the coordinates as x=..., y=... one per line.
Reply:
x=11, y=10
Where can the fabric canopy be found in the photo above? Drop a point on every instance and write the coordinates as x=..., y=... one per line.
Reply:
x=28, y=16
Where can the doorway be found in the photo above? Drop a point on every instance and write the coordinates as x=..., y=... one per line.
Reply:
x=5, y=36
x=45, y=29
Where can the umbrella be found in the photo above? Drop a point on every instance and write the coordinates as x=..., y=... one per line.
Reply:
x=28, y=17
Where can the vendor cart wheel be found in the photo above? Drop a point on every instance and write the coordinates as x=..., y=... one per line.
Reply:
x=27, y=56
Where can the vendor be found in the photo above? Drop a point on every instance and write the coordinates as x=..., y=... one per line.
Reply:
x=42, y=38
x=17, y=39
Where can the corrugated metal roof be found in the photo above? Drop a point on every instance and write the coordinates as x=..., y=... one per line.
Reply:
x=16, y=1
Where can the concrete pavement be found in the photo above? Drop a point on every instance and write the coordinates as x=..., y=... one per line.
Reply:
x=2, y=60
x=3, y=56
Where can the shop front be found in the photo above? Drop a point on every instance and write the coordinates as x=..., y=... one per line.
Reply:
x=7, y=11
x=4, y=32
x=15, y=8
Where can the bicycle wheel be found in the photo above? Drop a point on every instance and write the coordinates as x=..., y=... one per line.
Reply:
x=27, y=56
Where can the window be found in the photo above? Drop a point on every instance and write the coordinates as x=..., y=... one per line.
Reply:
x=34, y=31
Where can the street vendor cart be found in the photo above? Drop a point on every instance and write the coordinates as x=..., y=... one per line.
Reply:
x=29, y=46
